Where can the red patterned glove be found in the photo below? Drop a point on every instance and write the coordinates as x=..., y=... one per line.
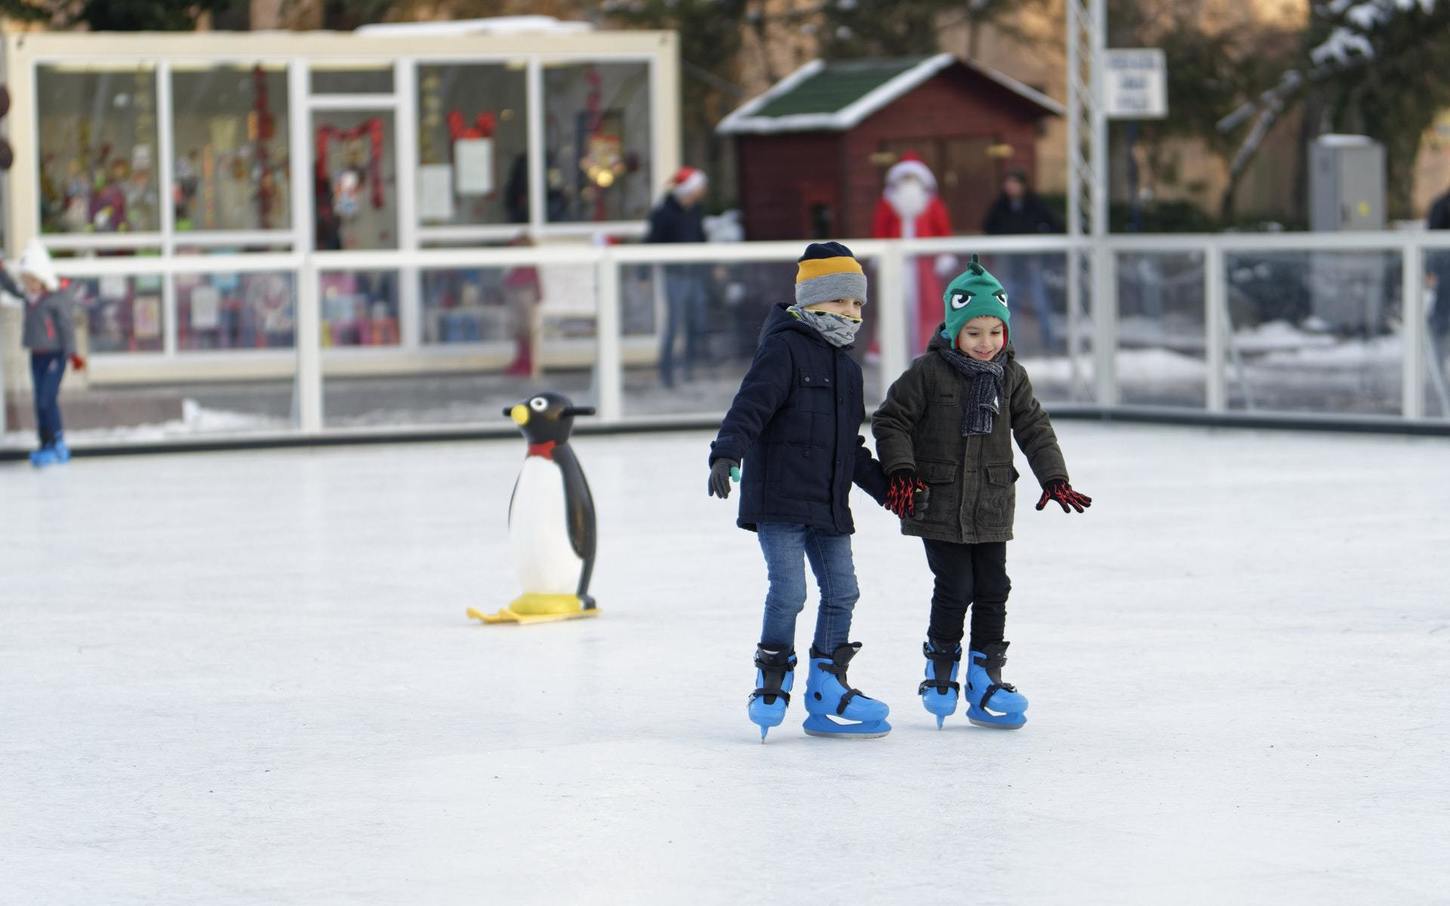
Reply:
x=1065, y=496
x=901, y=492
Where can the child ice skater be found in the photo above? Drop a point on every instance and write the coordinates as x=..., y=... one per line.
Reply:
x=793, y=430
x=50, y=336
x=947, y=426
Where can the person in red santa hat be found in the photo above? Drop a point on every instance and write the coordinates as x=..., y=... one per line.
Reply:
x=679, y=218
x=910, y=208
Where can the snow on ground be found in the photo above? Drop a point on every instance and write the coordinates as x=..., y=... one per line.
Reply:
x=247, y=678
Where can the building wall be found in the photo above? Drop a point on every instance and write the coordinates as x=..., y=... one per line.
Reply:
x=778, y=176
x=951, y=106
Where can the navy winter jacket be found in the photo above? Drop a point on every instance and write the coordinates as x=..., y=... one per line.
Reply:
x=793, y=427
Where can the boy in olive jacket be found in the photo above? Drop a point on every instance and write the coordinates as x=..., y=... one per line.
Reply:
x=944, y=436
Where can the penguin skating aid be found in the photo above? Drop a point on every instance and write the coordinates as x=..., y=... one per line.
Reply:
x=551, y=519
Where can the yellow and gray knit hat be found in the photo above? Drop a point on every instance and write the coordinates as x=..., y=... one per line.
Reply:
x=828, y=271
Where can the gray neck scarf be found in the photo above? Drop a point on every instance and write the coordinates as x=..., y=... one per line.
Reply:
x=983, y=400
x=838, y=330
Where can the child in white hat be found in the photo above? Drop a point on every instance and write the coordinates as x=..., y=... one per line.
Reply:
x=50, y=336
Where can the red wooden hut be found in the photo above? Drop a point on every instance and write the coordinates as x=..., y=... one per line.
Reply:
x=813, y=150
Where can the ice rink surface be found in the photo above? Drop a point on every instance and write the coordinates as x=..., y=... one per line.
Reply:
x=247, y=678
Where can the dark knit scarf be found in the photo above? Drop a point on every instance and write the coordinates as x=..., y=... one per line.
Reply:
x=983, y=400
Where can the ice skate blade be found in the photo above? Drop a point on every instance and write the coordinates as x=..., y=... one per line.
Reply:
x=509, y=616
x=993, y=722
x=820, y=725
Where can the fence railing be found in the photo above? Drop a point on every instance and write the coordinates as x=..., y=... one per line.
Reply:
x=1334, y=325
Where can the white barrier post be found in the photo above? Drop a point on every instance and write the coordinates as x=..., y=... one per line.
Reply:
x=891, y=319
x=309, y=349
x=1412, y=331
x=608, y=364
x=1215, y=330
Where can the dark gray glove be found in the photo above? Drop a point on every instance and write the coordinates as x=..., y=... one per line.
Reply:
x=721, y=471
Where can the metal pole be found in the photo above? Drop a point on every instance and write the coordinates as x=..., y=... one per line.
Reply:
x=1074, y=194
x=307, y=385
x=1103, y=288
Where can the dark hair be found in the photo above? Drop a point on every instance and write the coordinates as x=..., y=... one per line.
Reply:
x=1020, y=176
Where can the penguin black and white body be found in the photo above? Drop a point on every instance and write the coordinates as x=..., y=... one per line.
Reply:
x=551, y=513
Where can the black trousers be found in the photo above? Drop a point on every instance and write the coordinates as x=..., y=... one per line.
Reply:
x=968, y=575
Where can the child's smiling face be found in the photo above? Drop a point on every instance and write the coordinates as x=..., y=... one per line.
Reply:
x=982, y=338
x=851, y=308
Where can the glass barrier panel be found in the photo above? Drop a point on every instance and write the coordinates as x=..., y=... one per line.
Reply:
x=1314, y=332
x=489, y=337
x=1161, y=338
x=689, y=332
x=1041, y=331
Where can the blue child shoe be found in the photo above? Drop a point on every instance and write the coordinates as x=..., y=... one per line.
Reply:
x=991, y=702
x=45, y=456
x=940, y=688
x=774, y=674
x=835, y=708
x=62, y=452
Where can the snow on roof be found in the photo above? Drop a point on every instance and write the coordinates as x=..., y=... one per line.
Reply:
x=497, y=25
x=838, y=96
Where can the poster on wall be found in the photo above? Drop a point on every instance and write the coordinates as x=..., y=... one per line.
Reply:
x=146, y=317
x=205, y=308
x=474, y=159
x=435, y=192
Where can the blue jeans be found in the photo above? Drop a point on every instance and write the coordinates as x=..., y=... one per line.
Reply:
x=786, y=547
x=1024, y=282
x=46, y=371
x=685, y=302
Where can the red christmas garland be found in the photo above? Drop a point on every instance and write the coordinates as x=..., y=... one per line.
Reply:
x=374, y=129
x=482, y=126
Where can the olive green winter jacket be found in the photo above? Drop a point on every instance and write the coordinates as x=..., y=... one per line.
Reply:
x=971, y=480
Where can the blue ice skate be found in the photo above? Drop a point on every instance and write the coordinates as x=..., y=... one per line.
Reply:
x=991, y=702
x=830, y=700
x=62, y=452
x=45, y=456
x=940, y=688
x=774, y=674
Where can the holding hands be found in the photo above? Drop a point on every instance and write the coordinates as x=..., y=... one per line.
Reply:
x=1065, y=496
x=901, y=493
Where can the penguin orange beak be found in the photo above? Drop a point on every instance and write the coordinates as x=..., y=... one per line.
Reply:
x=519, y=413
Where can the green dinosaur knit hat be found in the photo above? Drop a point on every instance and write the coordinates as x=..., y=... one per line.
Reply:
x=973, y=293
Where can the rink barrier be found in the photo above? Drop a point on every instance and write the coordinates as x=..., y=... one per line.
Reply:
x=889, y=258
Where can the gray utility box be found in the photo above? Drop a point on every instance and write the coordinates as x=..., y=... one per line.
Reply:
x=1347, y=192
x=1346, y=183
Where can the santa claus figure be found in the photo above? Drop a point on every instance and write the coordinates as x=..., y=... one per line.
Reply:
x=909, y=208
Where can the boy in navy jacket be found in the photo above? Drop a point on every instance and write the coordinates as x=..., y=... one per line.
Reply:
x=792, y=430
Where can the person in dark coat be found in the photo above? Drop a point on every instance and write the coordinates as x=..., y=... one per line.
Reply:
x=946, y=428
x=792, y=428
x=1018, y=211
x=49, y=334
x=1439, y=260
x=678, y=218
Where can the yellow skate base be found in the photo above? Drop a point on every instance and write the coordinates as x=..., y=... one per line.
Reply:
x=532, y=608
